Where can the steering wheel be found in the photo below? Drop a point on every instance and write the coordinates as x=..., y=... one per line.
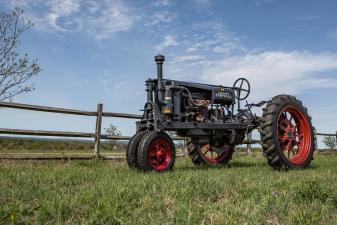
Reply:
x=242, y=86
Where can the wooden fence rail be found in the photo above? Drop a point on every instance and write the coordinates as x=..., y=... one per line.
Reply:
x=99, y=114
x=325, y=134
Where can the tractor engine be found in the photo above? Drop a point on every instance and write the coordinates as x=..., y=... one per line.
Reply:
x=211, y=106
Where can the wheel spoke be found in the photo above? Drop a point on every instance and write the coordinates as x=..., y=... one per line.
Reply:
x=214, y=157
x=283, y=128
x=288, y=146
x=285, y=115
x=286, y=122
x=241, y=84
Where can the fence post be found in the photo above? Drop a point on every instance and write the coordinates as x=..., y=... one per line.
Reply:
x=98, y=130
x=315, y=136
x=249, y=145
x=185, y=148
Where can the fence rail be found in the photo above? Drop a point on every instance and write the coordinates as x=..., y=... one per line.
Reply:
x=325, y=134
x=99, y=114
x=66, y=111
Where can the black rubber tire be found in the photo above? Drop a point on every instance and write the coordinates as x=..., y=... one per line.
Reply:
x=197, y=157
x=144, y=149
x=192, y=150
x=269, y=132
x=131, y=150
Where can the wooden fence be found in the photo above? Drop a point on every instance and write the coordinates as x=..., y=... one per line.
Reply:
x=97, y=135
x=99, y=113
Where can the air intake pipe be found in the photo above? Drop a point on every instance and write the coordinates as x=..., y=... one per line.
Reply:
x=159, y=59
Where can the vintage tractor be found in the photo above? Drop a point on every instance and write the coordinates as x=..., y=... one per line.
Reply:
x=212, y=119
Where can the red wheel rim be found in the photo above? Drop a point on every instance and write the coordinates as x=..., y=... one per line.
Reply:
x=294, y=135
x=212, y=156
x=160, y=154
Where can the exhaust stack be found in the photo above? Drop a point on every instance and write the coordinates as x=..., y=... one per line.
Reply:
x=159, y=59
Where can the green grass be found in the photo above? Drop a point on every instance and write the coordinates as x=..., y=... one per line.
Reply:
x=16, y=144
x=247, y=191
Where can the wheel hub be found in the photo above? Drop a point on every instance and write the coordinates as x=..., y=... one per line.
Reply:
x=159, y=155
x=289, y=136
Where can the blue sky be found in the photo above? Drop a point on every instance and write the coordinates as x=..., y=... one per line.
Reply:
x=102, y=51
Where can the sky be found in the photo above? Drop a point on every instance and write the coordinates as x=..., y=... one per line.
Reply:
x=102, y=52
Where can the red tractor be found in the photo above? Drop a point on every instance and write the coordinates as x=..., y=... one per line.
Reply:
x=211, y=117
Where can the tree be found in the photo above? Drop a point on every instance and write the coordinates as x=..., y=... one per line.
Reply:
x=112, y=131
x=330, y=142
x=15, y=69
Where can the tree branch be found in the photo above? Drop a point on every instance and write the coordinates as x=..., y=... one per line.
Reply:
x=15, y=70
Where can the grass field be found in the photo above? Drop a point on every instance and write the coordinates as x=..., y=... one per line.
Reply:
x=247, y=191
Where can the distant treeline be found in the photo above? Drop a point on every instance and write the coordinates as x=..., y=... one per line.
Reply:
x=49, y=144
x=17, y=144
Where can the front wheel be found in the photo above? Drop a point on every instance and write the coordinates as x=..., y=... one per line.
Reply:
x=287, y=135
x=156, y=152
x=131, y=150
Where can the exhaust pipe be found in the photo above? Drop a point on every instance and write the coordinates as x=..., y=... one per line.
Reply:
x=159, y=59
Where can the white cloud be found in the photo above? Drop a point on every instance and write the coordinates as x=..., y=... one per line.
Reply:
x=98, y=19
x=168, y=41
x=114, y=18
x=201, y=2
x=263, y=2
x=120, y=85
x=219, y=57
x=333, y=34
x=273, y=72
x=187, y=58
x=162, y=2
x=64, y=7
x=308, y=18
x=212, y=37
x=159, y=18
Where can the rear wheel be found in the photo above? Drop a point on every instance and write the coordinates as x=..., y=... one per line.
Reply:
x=206, y=154
x=156, y=151
x=287, y=135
